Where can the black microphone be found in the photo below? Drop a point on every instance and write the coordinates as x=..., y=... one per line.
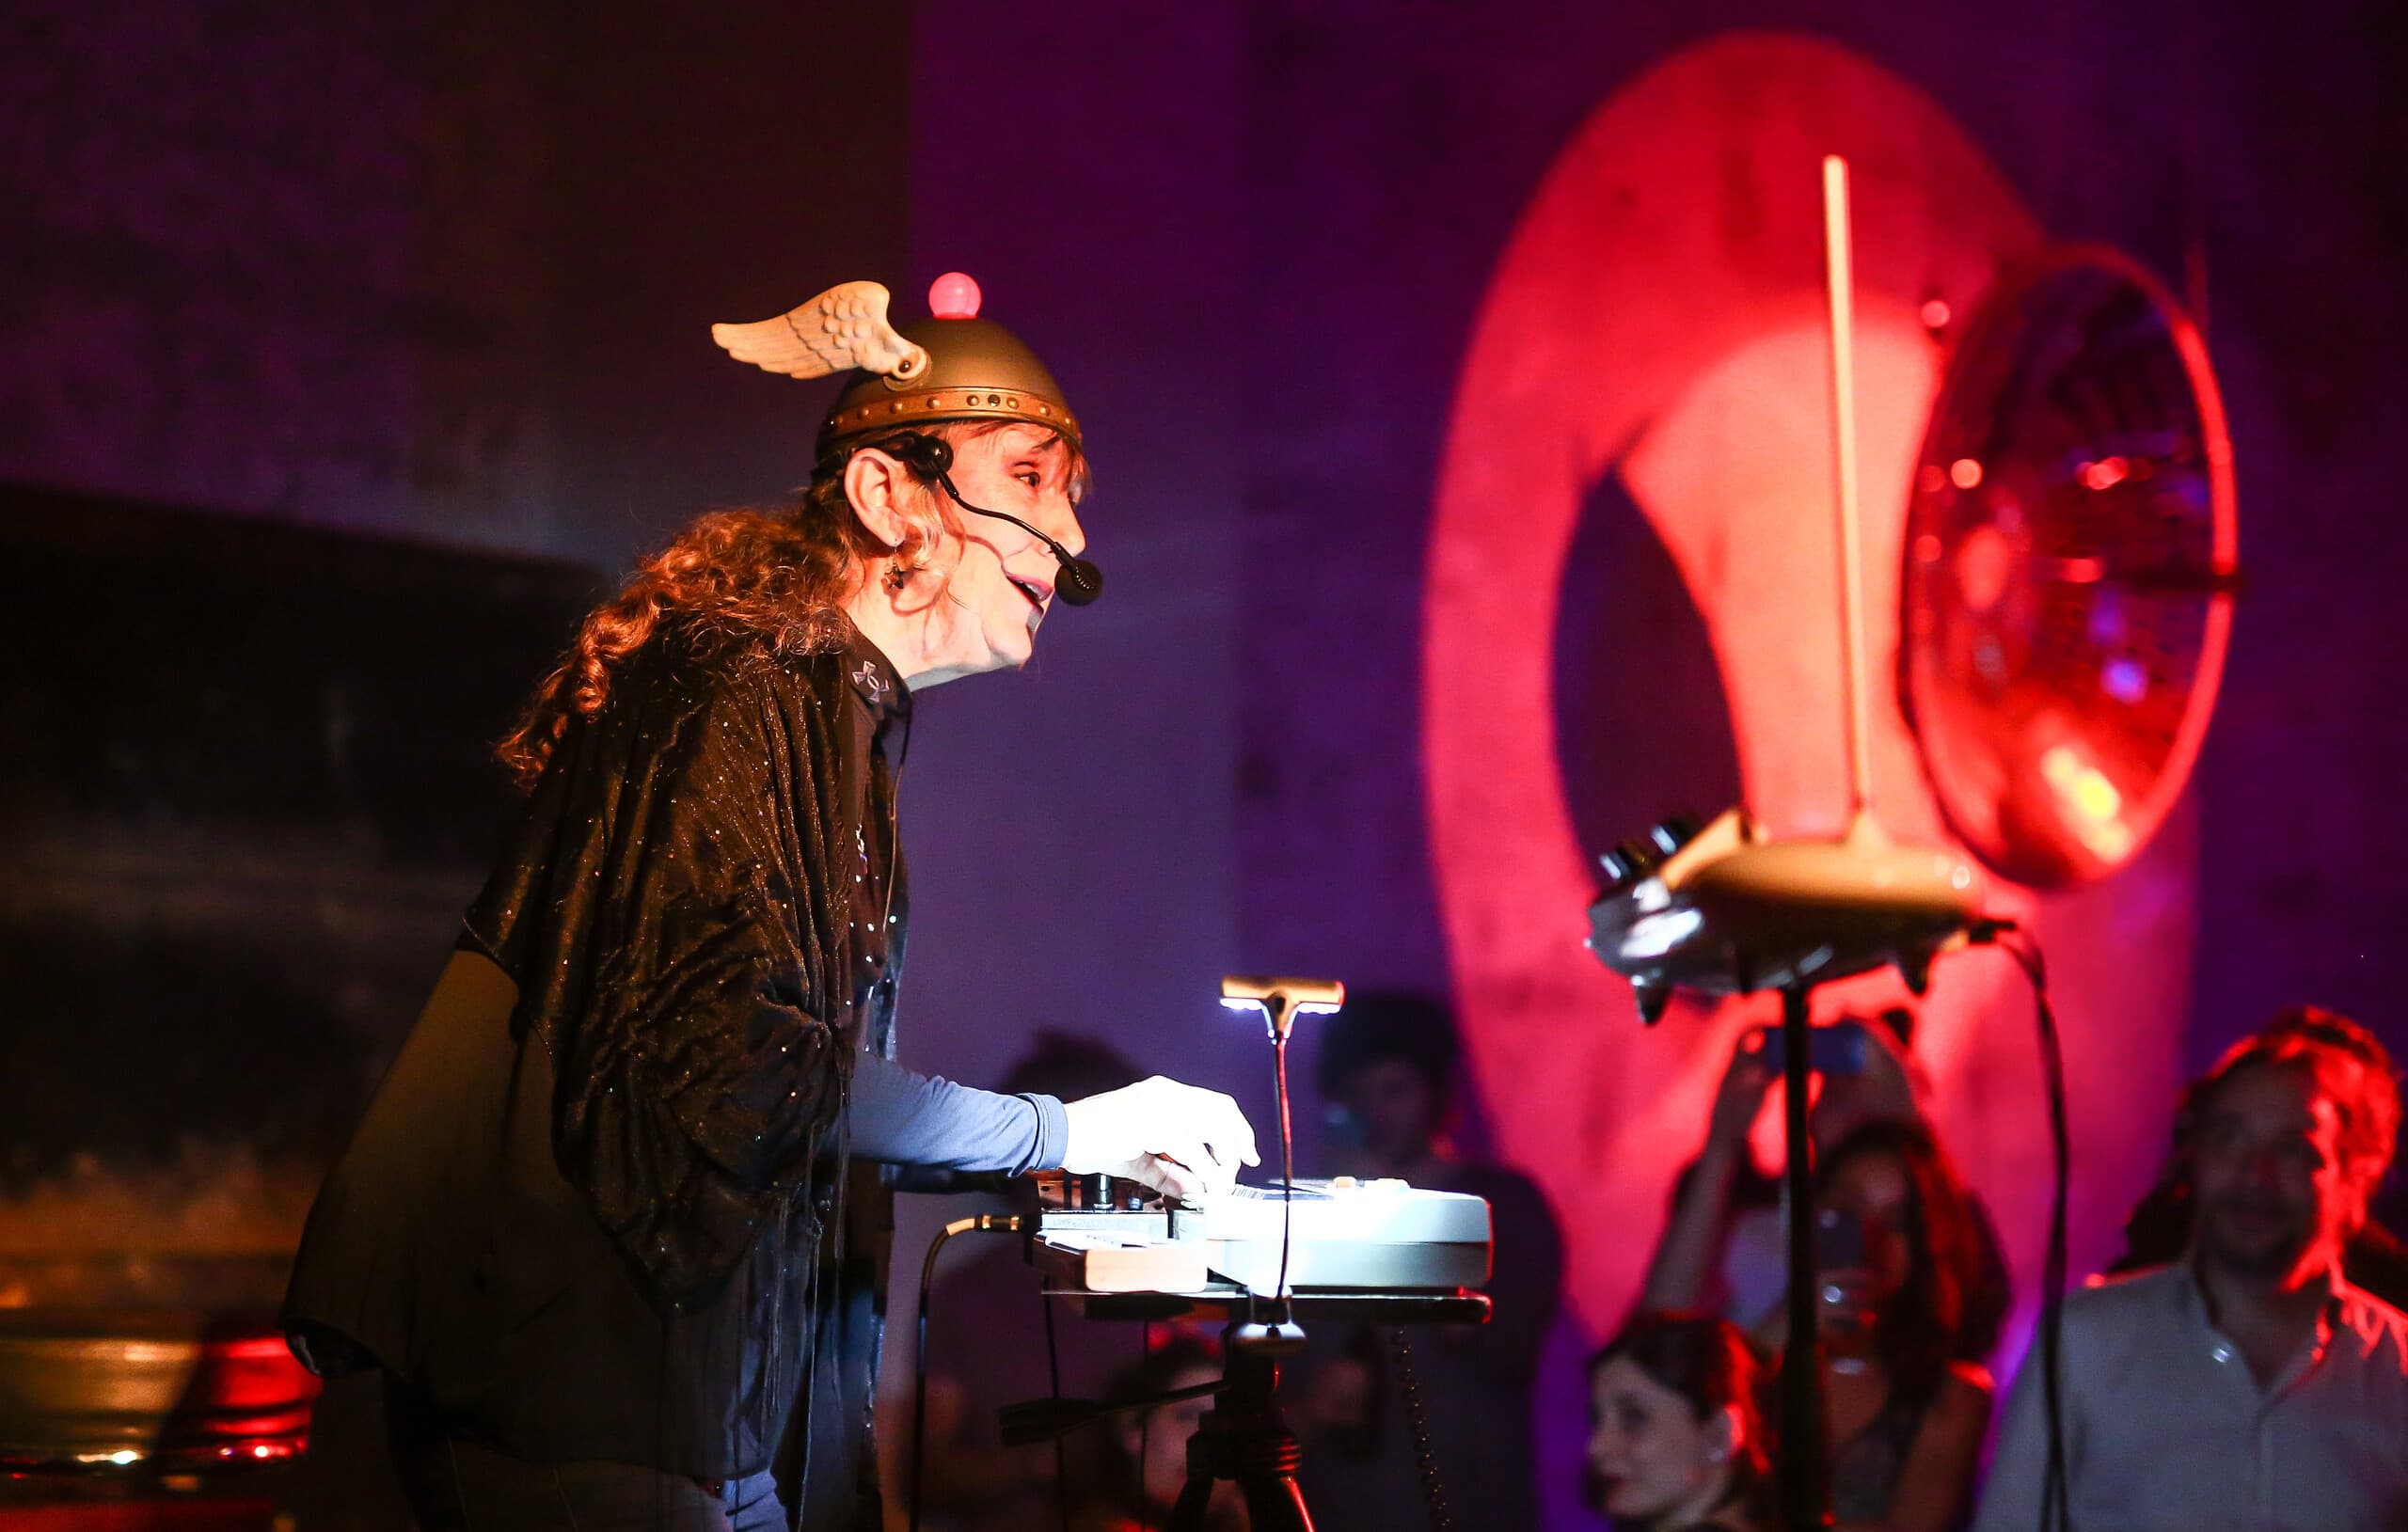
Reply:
x=932, y=457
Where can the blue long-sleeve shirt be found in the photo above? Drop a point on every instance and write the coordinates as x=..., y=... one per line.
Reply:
x=900, y=1117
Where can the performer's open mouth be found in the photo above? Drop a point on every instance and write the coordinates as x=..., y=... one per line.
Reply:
x=1037, y=594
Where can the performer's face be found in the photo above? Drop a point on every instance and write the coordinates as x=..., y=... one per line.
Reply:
x=1002, y=586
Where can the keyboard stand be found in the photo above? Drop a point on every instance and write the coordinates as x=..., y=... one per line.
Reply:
x=1244, y=1439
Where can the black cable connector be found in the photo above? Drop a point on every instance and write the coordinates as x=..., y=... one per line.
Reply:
x=982, y=1223
x=2056, y=1504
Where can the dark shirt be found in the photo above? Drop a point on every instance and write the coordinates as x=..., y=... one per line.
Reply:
x=596, y=1210
x=1865, y=1469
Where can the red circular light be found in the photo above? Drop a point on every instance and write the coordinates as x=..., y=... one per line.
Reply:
x=2050, y=756
x=954, y=295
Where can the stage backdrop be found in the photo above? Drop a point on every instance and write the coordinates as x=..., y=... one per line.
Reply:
x=1536, y=520
x=1559, y=305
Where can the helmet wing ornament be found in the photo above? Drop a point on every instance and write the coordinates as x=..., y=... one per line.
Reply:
x=842, y=330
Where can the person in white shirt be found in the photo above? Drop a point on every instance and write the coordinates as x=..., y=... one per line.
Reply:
x=2247, y=1384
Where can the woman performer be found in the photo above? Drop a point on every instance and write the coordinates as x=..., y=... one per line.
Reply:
x=614, y=1225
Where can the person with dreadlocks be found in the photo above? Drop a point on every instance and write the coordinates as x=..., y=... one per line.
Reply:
x=613, y=1226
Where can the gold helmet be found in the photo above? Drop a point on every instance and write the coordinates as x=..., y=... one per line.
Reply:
x=951, y=365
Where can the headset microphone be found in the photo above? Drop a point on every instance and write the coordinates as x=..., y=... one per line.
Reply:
x=932, y=457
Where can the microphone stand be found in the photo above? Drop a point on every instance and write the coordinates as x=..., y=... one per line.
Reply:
x=1244, y=1438
x=1804, y=1474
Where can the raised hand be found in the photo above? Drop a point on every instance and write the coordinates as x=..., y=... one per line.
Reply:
x=1741, y=1094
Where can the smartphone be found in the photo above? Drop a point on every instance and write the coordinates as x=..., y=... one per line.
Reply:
x=1836, y=1049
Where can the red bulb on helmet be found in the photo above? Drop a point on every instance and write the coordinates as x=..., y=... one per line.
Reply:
x=954, y=295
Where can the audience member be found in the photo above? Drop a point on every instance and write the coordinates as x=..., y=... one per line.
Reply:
x=1912, y=1289
x=2249, y=1381
x=1388, y=1073
x=1144, y=1459
x=1676, y=1439
x=1901, y=1271
x=2158, y=1228
x=1722, y=1246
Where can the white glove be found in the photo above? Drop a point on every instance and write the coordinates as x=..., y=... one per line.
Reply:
x=1174, y=1138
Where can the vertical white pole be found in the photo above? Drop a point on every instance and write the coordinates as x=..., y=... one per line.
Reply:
x=1840, y=287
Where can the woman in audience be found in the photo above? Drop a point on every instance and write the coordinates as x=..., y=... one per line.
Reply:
x=1722, y=1247
x=1908, y=1299
x=1677, y=1441
x=1900, y=1286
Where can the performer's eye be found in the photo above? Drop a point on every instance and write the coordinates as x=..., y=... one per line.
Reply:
x=1029, y=477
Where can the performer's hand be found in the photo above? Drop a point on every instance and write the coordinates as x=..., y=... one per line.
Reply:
x=1174, y=1138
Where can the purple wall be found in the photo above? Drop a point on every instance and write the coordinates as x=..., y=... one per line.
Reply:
x=432, y=268
x=1073, y=828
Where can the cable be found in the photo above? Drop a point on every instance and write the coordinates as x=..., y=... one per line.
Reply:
x=1286, y=1160
x=1434, y=1491
x=2056, y=1506
x=982, y=1223
x=1145, y=1431
x=1054, y=1381
x=1077, y=581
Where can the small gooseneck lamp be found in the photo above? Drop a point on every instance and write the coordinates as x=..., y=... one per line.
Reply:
x=1279, y=1000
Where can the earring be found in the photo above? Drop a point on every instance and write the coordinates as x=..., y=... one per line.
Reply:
x=897, y=578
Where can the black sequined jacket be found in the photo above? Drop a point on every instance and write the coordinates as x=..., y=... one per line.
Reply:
x=595, y=1209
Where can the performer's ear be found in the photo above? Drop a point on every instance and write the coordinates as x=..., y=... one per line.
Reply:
x=879, y=488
